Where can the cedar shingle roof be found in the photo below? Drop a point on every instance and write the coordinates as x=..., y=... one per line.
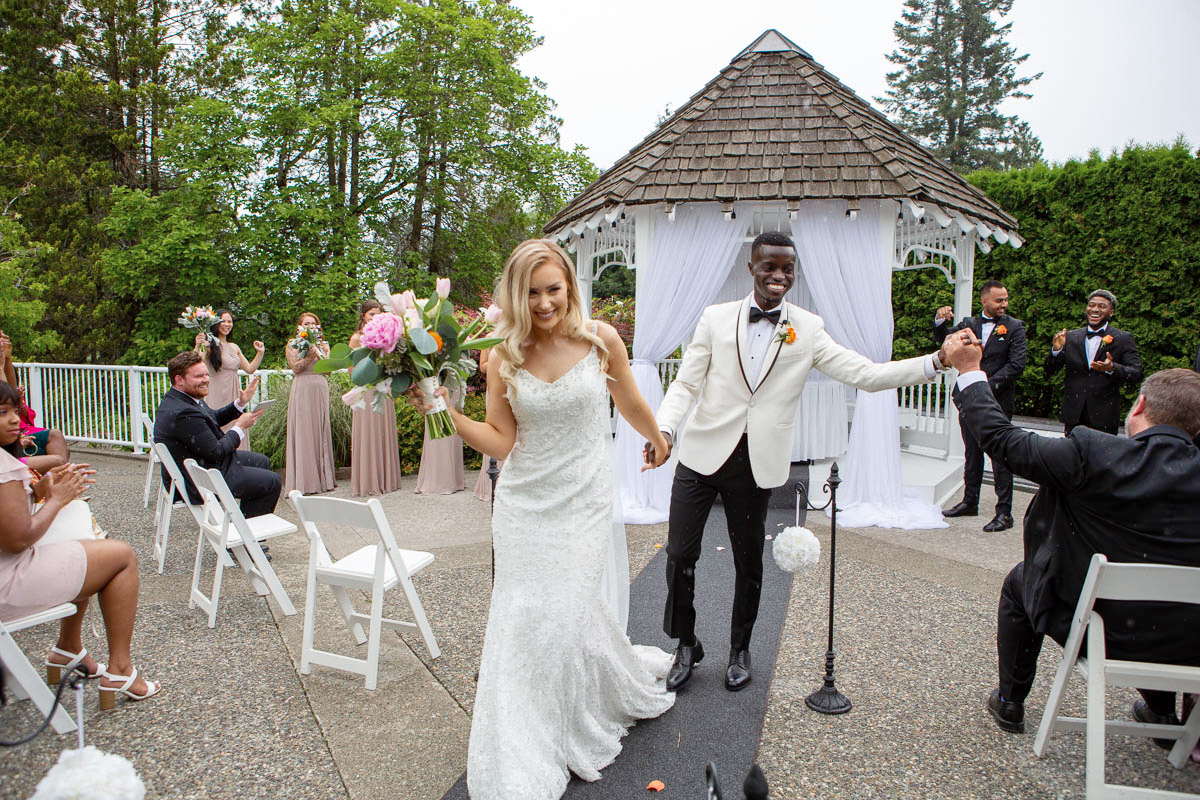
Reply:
x=774, y=125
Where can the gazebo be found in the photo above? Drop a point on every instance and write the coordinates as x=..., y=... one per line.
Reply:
x=774, y=142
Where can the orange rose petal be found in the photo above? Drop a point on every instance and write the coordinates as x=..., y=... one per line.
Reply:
x=655, y=786
x=658, y=547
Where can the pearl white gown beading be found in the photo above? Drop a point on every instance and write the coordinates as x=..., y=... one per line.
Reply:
x=559, y=681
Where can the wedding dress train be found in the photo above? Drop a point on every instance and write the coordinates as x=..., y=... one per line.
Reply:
x=559, y=681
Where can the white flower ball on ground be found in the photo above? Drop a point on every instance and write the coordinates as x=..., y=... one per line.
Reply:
x=89, y=774
x=796, y=549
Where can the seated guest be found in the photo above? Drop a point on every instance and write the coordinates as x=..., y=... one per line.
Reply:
x=41, y=448
x=1134, y=499
x=35, y=575
x=190, y=429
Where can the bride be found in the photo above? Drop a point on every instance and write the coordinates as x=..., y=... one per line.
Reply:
x=559, y=682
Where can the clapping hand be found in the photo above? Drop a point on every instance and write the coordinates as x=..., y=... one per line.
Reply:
x=1060, y=339
x=259, y=347
x=247, y=394
x=66, y=482
x=944, y=314
x=1103, y=366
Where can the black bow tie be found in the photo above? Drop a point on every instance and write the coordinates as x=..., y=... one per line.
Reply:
x=1090, y=333
x=988, y=321
x=757, y=313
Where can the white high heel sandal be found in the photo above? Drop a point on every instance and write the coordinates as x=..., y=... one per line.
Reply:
x=54, y=672
x=108, y=694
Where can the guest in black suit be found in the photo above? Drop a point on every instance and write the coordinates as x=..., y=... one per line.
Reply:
x=190, y=429
x=1097, y=357
x=1135, y=499
x=1003, y=340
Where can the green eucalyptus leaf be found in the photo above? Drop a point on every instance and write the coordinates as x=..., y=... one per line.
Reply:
x=422, y=341
x=326, y=366
x=358, y=354
x=339, y=351
x=401, y=382
x=366, y=372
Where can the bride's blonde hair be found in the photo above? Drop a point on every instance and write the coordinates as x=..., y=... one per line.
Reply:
x=512, y=296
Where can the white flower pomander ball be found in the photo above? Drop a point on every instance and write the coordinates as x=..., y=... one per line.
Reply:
x=89, y=774
x=796, y=549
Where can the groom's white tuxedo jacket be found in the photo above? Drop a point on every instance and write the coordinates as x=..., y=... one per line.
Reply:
x=715, y=369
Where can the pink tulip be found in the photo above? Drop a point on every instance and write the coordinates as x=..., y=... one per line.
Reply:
x=356, y=397
x=492, y=314
x=443, y=287
x=409, y=299
x=399, y=304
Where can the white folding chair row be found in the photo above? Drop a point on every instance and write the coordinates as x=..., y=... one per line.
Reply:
x=26, y=681
x=165, y=505
x=226, y=530
x=148, y=428
x=373, y=567
x=1123, y=582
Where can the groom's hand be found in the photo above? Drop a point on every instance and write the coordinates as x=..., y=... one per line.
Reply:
x=963, y=351
x=655, y=457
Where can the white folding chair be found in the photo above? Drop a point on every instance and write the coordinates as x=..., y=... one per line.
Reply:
x=148, y=427
x=374, y=568
x=26, y=681
x=170, y=497
x=226, y=530
x=1125, y=582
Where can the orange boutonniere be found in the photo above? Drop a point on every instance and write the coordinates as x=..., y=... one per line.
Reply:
x=1107, y=339
x=1000, y=330
x=787, y=335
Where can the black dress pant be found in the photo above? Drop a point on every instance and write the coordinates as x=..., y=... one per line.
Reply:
x=692, y=496
x=1109, y=425
x=973, y=474
x=1018, y=646
x=252, y=481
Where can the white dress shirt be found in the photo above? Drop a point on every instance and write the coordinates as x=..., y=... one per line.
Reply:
x=759, y=335
x=236, y=404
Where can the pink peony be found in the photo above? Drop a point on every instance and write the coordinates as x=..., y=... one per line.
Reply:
x=443, y=287
x=383, y=332
x=491, y=314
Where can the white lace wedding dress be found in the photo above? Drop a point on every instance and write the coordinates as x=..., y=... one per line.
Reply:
x=559, y=682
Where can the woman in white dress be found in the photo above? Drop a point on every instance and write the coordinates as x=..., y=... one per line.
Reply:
x=559, y=682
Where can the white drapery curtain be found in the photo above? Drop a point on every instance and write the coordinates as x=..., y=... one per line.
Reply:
x=688, y=262
x=847, y=266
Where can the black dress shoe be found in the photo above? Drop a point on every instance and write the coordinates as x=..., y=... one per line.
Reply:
x=1142, y=713
x=737, y=676
x=1009, y=715
x=687, y=656
x=963, y=509
x=1001, y=522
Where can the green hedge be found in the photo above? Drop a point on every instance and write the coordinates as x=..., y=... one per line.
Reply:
x=269, y=434
x=1129, y=223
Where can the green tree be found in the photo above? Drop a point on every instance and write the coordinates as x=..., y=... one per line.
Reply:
x=956, y=70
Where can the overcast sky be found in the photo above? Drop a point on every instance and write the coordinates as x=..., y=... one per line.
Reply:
x=1114, y=71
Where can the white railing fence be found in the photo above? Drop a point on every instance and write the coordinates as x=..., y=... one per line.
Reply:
x=103, y=404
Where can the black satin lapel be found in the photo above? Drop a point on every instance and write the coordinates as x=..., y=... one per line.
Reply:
x=777, y=347
x=740, y=338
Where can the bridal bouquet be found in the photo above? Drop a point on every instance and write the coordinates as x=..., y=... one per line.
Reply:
x=413, y=341
x=307, y=337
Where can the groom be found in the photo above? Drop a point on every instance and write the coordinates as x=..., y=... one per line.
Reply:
x=745, y=369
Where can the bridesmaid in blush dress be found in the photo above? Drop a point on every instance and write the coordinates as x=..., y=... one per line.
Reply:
x=441, y=470
x=374, y=445
x=223, y=359
x=309, y=440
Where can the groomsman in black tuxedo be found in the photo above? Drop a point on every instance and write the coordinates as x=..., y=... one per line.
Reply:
x=1003, y=338
x=1135, y=498
x=190, y=429
x=1098, y=358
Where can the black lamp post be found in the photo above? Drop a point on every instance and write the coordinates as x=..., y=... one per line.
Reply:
x=827, y=699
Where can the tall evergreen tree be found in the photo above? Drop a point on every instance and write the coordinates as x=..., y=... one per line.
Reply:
x=956, y=69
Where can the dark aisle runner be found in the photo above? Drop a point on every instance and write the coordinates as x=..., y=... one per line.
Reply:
x=707, y=722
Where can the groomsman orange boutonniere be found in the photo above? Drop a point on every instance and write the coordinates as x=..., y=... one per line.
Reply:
x=1000, y=330
x=787, y=335
x=1107, y=339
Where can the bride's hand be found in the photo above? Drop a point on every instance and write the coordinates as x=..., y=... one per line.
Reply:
x=416, y=397
x=656, y=453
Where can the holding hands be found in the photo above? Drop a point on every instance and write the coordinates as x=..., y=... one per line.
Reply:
x=962, y=350
x=654, y=455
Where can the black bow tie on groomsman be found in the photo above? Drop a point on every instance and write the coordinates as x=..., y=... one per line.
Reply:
x=757, y=313
x=1090, y=333
x=987, y=321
